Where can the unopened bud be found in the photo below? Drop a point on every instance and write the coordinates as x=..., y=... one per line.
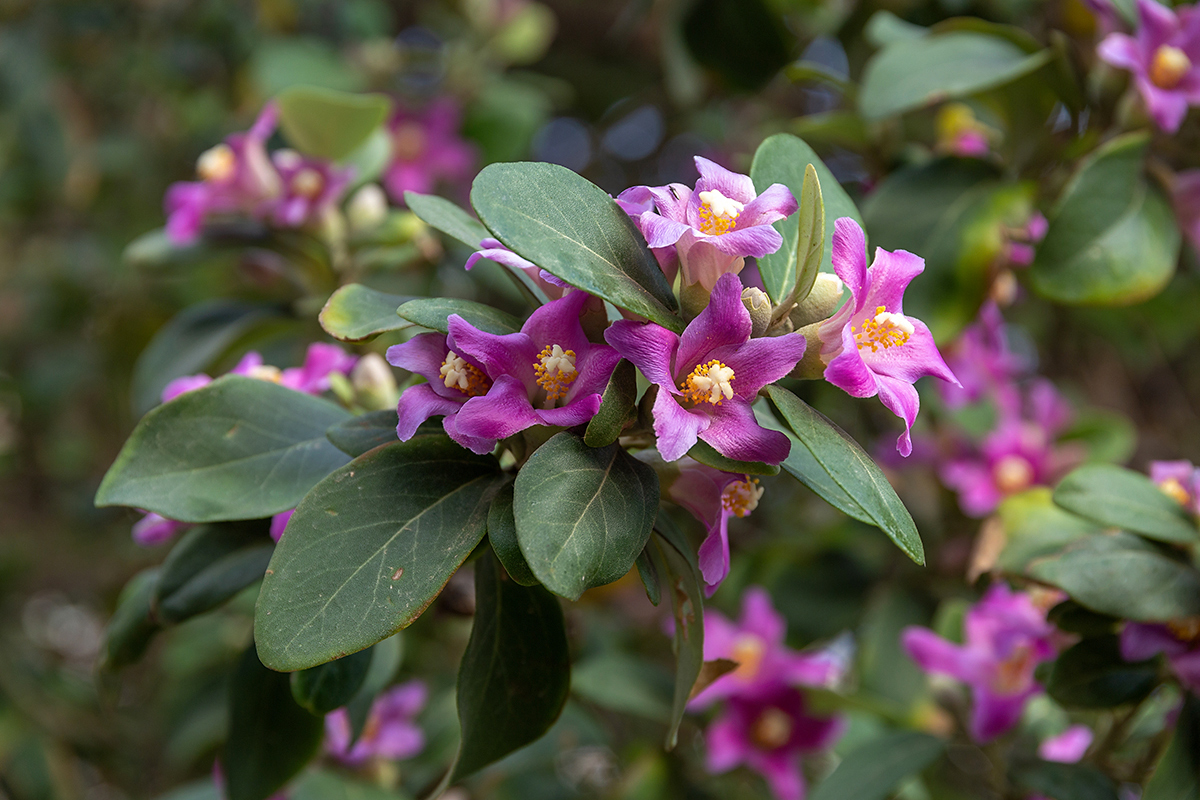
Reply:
x=367, y=207
x=811, y=367
x=374, y=383
x=822, y=301
x=759, y=305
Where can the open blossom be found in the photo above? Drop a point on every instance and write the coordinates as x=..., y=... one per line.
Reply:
x=312, y=377
x=982, y=360
x=390, y=732
x=1178, y=640
x=713, y=497
x=426, y=148
x=1006, y=637
x=714, y=226
x=1180, y=480
x=1163, y=59
x=493, y=250
x=310, y=188
x=869, y=346
x=708, y=377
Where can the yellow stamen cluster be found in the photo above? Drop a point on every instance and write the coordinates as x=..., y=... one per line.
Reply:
x=555, y=370
x=772, y=729
x=308, y=183
x=711, y=382
x=408, y=142
x=883, y=330
x=467, y=378
x=741, y=497
x=718, y=213
x=1187, y=629
x=748, y=652
x=265, y=372
x=1174, y=490
x=216, y=164
x=1012, y=473
x=1012, y=674
x=1169, y=66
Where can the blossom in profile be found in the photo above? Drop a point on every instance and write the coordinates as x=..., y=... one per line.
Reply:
x=426, y=149
x=714, y=497
x=1178, y=640
x=494, y=250
x=1006, y=637
x=310, y=188
x=320, y=361
x=1067, y=747
x=714, y=226
x=1163, y=58
x=391, y=731
x=708, y=377
x=869, y=346
x=1180, y=480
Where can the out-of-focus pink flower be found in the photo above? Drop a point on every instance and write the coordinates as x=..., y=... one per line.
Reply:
x=311, y=187
x=1180, y=480
x=1178, y=640
x=1163, y=59
x=391, y=731
x=426, y=149
x=320, y=361
x=959, y=133
x=1069, y=746
x=154, y=529
x=1007, y=636
x=713, y=497
x=279, y=524
x=251, y=365
x=981, y=360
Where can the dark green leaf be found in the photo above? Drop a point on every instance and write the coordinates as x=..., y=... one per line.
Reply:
x=624, y=683
x=323, y=688
x=209, y=565
x=1121, y=498
x=434, y=313
x=357, y=313
x=515, y=673
x=369, y=548
x=1065, y=781
x=1177, y=776
x=872, y=771
x=369, y=159
x=502, y=533
x=583, y=514
x=649, y=575
x=365, y=432
x=1071, y=617
x=825, y=459
x=741, y=40
x=132, y=625
x=328, y=785
x=385, y=660
x=706, y=454
x=1034, y=527
x=617, y=406
x=326, y=123
x=238, y=448
x=440, y=213
x=270, y=737
x=569, y=227
x=1123, y=575
x=1092, y=674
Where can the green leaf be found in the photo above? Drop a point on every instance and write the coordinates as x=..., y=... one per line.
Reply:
x=1065, y=781
x=825, y=459
x=367, y=431
x=357, y=313
x=323, y=688
x=239, y=448
x=1112, y=238
x=569, y=227
x=810, y=244
x=706, y=454
x=1092, y=674
x=386, y=657
x=583, y=514
x=872, y=771
x=912, y=73
x=515, y=673
x=624, y=683
x=1123, y=575
x=369, y=159
x=133, y=624
x=743, y=41
x=434, y=313
x=502, y=533
x=210, y=565
x=440, y=213
x=1177, y=776
x=884, y=28
x=320, y=784
x=326, y=123
x=785, y=159
x=270, y=737
x=617, y=406
x=1034, y=527
x=1071, y=617
x=369, y=548
x=649, y=576
x=1121, y=498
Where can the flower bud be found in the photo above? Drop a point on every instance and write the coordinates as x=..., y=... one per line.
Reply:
x=367, y=207
x=759, y=305
x=822, y=301
x=374, y=383
x=811, y=367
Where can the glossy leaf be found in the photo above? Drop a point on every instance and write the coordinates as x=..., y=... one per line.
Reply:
x=1092, y=674
x=434, y=313
x=1177, y=776
x=648, y=573
x=583, y=514
x=872, y=771
x=440, y=213
x=239, y=448
x=1116, y=497
x=209, y=565
x=1065, y=781
x=617, y=406
x=569, y=227
x=325, y=123
x=515, y=673
x=357, y=313
x=502, y=533
x=357, y=435
x=323, y=688
x=706, y=454
x=825, y=459
x=133, y=624
x=369, y=548
x=270, y=737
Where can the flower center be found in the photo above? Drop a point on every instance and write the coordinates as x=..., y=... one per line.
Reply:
x=748, y=652
x=1186, y=629
x=772, y=729
x=308, y=183
x=718, y=213
x=265, y=372
x=1013, y=673
x=1169, y=66
x=884, y=330
x=408, y=141
x=555, y=370
x=1012, y=473
x=467, y=378
x=216, y=164
x=1174, y=490
x=709, y=383
x=741, y=497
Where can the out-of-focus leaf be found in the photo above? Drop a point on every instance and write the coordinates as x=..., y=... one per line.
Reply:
x=434, y=313
x=326, y=123
x=1092, y=674
x=1064, y=781
x=440, y=213
x=1109, y=436
x=624, y=683
x=132, y=625
x=357, y=313
x=884, y=28
x=322, y=784
x=504, y=117
x=740, y=40
x=617, y=406
x=1034, y=526
x=365, y=432
x=1121, y=498
x=323, y=688
x=502, y=533
x=1177, y=776
x=369, y=159
x=1071, y=617
x=524, y=38
x=209, y=565
x=280, y=63
x=872, y=771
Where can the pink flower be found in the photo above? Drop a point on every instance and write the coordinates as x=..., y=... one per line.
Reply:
x=713, y=497
x=1180, y=480
x=981, y=360
x=311, y=188
x=154, y=529
x=1067, y=747
x=390, y=732
x=1178, y=640
x=869, y=346
x=320, y=361
x=426, y=148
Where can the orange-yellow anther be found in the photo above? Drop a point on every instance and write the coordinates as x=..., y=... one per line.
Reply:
x=883, y=330
x=1174, y=490
x=265, y=372
x=555, y=370
x=748, y=652
x=408, y=142
x=216, y=164
x=718, y=213
x=1187, y=629
x=1012, y=473
x=711, y=382
x=467, y=378
x=1013, y=673
x=741, y=497
x=308, y=183
x=772, y=729
x=1169, y=66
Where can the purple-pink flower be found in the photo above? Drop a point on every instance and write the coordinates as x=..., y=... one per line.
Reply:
x=1163, y=59
x=155, y=529
x=1006, y=637
x=320, y=361
x=1180, y=480
x=708, y=377
x=390, y=733
x=982, y=360
x=426, y=149
x=310, y=188
x=869, y=346
x=714, y=226
x=1178, y=640
x=1067, y=747
x=713, y=497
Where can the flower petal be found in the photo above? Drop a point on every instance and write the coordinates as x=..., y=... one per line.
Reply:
x=510, y=354
x=502, y=412
x=650, y=347
x=419, y=403
x=733, y=185
x=761, y=361
x=849, y=255
x=676, y=427
x=774, y=204
x=901, y=399
x=736, y=434
x=995, y=714
x=723, y=322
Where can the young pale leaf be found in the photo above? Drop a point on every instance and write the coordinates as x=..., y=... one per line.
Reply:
x=515, y=673
x=1092, y=674
x=810, y=245
x=325, y=123
x=583, y=514
x=356, y=313
x=617, y=406
x=1121, y=498
x=784, y=158
x=133, y=624
x=502, y=533
x=434, y=312
x=369, y=548
x=440, y=213
x=1177, y=776
x=323, y=688
x=825, y=459
x=1123, y=575
x=569, y=227
x=239, y=448
x=270, y=737
x=872, y=771
x=209, y=565
x=365, y=432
